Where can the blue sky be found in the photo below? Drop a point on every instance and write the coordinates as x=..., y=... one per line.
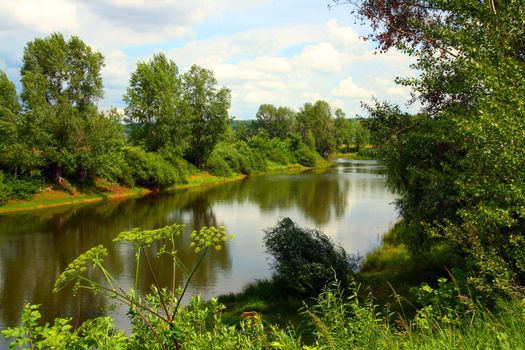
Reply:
x=280, y=52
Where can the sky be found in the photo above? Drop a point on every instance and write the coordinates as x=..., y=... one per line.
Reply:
x=282, y=52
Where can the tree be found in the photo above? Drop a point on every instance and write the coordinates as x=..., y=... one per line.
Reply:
x=343, y=130
x=278, y=122
x=315, y=121
x=208, y=105
x=471, y=59
x=156, y=111
x=9, y=124
x=61, y=83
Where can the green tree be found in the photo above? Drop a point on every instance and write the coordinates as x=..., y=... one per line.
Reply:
x=208, y=105
x=315, y=122
x=468, y=136
x=156, y=111
x=9, y=125
x=61, y=83
x=278, y=122
x=343, y=130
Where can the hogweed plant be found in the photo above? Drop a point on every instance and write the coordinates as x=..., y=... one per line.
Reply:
x=158, y=311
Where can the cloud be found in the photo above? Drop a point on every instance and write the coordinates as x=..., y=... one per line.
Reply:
x=263, y=54
x=42, y=16
x=347, y=88
x=323, y=57
x=343, y=36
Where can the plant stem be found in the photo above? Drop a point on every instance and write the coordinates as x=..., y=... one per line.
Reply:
x=159, y=292
x=124, y=298
x=137, y=255
x=189, y=278
x=150, y=326
x=173, y=256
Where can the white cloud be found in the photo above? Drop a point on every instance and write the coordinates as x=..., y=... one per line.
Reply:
x=117, y=67
x=43, y=16
x=322, y=57
x=347, y=88
x=343, y=36
x=285, y=63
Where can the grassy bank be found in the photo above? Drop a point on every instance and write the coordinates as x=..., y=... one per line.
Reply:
x=382, y=310
x=54, y=197
x=366, y=153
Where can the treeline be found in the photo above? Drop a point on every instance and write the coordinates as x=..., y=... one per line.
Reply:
x=173, y=124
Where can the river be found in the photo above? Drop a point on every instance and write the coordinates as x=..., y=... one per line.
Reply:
x=349, y=203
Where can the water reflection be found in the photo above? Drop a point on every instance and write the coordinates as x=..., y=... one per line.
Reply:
x=349, y=202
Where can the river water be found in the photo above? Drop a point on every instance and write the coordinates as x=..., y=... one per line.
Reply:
x=349, y=203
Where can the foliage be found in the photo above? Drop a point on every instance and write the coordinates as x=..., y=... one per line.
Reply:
x=458, y=165
x=228, y=158
x=304, y=260
x=19, y=188
x=61, y=83
x=277, y=121
x=337, y=322
x=305, y=156
x=150, y=169
x=157, y=320
x=315, y=122
x=5, y=190
x=156, y=111
x=208, y=105
x=97, y=333
x=346, y=322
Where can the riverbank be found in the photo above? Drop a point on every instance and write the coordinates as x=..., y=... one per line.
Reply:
x=388, y=274
x=52, y=197
x=365, y=154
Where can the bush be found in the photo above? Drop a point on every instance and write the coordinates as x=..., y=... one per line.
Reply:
x=305, y=156
x=115, y=168
x=280, y=152
x=19, y=188
x=217, y=166
x=25, y=188
x=150, y=169
x=368, y=153
x=306, y=259
x=5, y=190
x=227, y=158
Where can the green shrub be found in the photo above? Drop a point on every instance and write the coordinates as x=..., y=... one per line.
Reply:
x=305, y=156
x=216, y=165
x=5, y=190
x=306, y=259
x=115, y=168
x=23, y=188
x=150, y=169
x=228, y=158
x=279, y=152
x=254, y=160
x=372, y=153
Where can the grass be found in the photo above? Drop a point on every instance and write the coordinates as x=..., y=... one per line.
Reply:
x=353, y=156
x=391, y=270
x=53, y=198
x=267, y=298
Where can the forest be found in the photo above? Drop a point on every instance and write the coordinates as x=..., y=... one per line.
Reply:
x=456, y=259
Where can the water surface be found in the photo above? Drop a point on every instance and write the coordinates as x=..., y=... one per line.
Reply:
x=349, y=203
